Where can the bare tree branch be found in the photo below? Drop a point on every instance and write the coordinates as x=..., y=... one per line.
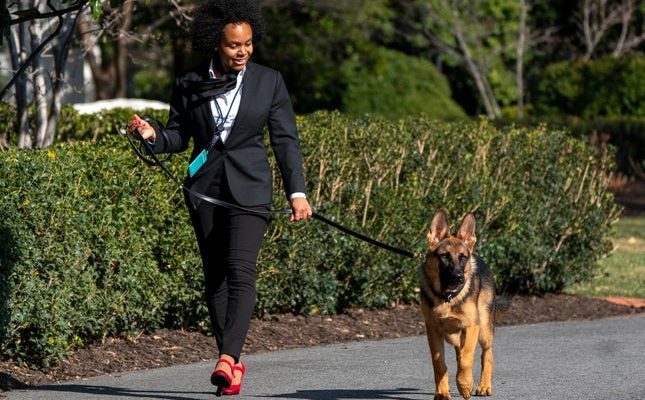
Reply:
x=35, y=14
x=626, y=16
x=598, y=17
x=34, y=54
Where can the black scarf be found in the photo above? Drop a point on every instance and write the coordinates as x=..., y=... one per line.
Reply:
x=200, y=90
x=204, y=90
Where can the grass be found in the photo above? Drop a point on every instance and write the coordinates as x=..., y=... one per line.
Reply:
x=622, y=273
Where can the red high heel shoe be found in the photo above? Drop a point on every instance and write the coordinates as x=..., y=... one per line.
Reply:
x=235, y=389
x=221, y=378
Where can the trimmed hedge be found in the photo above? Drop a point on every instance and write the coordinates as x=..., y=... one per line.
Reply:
x=73, y=126
x=626, y=135
x=93, y=244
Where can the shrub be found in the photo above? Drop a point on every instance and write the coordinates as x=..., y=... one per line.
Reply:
x=389, y=83
x=626, y=135
x=538, y=196
x=607, y=87
x=94, y=245
x=7, y=118
x=73, y=126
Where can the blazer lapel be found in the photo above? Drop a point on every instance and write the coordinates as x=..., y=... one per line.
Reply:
x=207, y=114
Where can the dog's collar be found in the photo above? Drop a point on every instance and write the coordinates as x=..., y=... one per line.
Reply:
x=447, y=298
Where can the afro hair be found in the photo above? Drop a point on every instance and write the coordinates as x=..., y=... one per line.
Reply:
x=210, y=18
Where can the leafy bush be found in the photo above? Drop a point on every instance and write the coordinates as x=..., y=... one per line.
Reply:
x=83, y=258
x=7, y=118
x=626, y=135
x=94, y=245
x=539, y=196
x=73, y=126
x=389, y=83
x=607, y=87
x=154, y=84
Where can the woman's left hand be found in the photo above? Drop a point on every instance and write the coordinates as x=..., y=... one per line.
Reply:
x=300, y=209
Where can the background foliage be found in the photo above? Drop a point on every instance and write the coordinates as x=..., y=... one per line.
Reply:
x=92, y=244
x=608, y=87
x=333, y=55
x=393, y=84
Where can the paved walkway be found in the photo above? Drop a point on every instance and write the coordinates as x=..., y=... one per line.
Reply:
x=595, y=360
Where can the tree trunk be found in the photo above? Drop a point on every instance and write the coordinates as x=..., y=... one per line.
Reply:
x=61, y=52
x=18, y=46
x=110, y=75
x=40, y=86
x=519, y=66
x=103, y=77
x=481, y=81
x=123, y=43
x=5, y=137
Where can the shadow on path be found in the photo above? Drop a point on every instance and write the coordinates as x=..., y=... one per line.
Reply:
x=110, y=391
x=340, y=394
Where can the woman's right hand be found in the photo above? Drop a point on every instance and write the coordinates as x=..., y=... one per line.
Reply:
x=145, y=129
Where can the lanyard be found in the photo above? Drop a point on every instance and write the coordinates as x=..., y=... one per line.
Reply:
x=222, y=118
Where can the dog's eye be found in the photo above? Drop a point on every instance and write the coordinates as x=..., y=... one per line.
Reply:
x=444, y=257
x=462, y=258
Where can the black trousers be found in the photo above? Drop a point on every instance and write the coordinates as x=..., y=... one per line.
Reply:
x=229, y=244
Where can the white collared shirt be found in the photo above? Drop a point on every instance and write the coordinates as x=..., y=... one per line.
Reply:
x=229, y=104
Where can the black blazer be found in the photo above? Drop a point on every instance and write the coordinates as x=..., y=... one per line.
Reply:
x=264, y=102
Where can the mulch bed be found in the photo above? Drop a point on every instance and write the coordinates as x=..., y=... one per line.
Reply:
x=168, y=347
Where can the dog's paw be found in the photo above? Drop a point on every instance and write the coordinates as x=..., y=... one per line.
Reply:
x=442, y=396
x=484, y=390
x=465, y=388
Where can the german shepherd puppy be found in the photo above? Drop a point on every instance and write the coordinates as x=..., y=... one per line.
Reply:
x=457, y=301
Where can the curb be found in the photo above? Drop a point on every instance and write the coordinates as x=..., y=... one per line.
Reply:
x=627, y=301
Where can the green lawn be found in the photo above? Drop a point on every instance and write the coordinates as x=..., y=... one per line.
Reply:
x=622, y=273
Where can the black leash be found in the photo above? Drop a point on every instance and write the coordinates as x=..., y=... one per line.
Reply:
x=363, y=237
x=144, y=149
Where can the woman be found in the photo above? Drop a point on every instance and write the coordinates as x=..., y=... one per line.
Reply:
x=224, y=105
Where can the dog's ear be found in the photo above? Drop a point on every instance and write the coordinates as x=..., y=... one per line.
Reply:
x=467, y=231
x=439, y=229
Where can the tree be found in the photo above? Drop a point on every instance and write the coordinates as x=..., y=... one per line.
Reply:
x=110, y=34
x=532, y=34
x=308, y=41
x=600, y=21
x=479, y=37
x=39, y=25
x=521, y=49
x=109, y=41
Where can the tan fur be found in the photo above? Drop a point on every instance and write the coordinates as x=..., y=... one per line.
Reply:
x=466, y=318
